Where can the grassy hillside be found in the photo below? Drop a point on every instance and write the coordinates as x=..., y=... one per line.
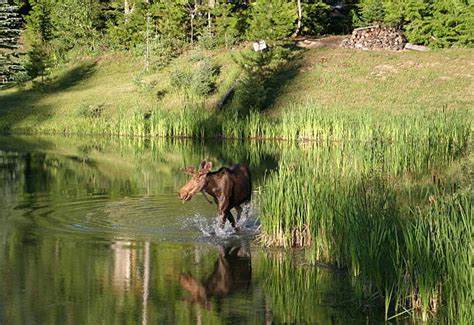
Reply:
x=115, y=87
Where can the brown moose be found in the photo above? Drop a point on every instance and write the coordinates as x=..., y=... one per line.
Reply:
x=230, y=188
x=232, y=272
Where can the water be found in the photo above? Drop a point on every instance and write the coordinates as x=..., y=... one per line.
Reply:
x=92, y=231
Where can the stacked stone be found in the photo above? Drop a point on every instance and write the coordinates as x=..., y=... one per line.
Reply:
x=376, y=37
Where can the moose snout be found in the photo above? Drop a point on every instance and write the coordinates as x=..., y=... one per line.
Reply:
x=183, y=195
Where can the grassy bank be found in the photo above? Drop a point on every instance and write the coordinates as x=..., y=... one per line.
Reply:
x=111, y=94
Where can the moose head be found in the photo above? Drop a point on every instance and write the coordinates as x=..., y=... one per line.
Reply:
x=197, y=182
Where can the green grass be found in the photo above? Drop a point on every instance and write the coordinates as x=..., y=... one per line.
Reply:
x=111, y=94
x=391, y=213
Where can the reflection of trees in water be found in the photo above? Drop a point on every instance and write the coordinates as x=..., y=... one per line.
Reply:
x=130, y=264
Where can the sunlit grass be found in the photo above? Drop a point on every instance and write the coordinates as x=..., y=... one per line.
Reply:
x=381, y=211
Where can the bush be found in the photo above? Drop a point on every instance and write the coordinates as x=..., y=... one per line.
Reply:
x=254, y=87
x=272, y=20
x=199, y=80
x=203, y=81
x=90, y=111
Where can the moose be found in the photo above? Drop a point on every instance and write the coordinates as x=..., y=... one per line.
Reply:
x=229, y=187
x=232, y=273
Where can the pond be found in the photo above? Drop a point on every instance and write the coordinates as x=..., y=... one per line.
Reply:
x=92, y=231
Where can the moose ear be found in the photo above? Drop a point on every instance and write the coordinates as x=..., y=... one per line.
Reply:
x=208, y=166
x=205, y=167
x=188, y=170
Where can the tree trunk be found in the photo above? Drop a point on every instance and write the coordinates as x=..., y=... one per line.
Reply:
x=300, y=17
x=126, y=7
x=212, y=4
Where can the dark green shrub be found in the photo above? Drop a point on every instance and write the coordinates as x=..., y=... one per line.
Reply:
x=203, y=80
x=272, y=20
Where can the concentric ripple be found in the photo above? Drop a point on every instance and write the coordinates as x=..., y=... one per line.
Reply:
x=104, y=218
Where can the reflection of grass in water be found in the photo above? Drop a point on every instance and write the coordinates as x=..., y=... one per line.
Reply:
x=298, y=294
x=370, y=209
x=129, y=166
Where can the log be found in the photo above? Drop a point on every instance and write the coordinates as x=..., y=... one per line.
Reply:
x=409, y=46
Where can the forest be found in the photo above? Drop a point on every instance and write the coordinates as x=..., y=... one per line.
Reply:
x=52, y=32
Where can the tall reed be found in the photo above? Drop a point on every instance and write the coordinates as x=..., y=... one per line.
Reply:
x=374, y=209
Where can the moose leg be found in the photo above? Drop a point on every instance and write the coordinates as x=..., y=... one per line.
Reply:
x=222, y=218
x=223, y=207
x=231, y=219
x=239, y=212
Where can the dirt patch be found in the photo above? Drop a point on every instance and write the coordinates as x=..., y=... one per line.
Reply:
x=382, y=71
x=330, y=42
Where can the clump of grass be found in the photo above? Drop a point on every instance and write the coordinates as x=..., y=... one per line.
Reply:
x=344, y=202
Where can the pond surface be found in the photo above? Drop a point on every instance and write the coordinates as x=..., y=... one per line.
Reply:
x=92, y=231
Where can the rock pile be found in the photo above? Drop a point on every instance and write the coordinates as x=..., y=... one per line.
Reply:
x=376, y=37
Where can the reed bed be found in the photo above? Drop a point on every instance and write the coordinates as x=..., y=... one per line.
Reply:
x=443, y=130
x=377, y=210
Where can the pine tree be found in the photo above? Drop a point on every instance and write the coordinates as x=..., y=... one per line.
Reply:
x=39, y=34
x=172, y=18
x=316, y=17
x=10, y=24
x=75, y=24
x=227, y=23
x=371, y=11
x=272, y=20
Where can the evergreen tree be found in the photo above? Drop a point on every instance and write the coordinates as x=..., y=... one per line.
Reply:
x=316, y=17
x=39, y=34
x=272, y=20
x=39, y=28
x=227, y=23
x=445, y=23
x=10, y=24
x=128, y=28
x=75, y=25
x=440, y=23
x=371, y=11
x=172, y=19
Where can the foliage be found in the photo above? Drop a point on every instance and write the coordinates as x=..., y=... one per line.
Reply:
x=172, y=18
x=316, y=17
x=127, y=31
x=258, y=68
x=272, y=20
x=38, y=61
x=227, y=24
x=436, y=23
x=372, y=11
x=39, y=23
x=75, y=25
x=199, y=79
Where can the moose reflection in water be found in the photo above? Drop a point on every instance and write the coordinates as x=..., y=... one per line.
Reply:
x=230, y=188
x=232, y=273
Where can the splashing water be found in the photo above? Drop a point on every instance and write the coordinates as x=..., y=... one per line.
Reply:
x=210, y=227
